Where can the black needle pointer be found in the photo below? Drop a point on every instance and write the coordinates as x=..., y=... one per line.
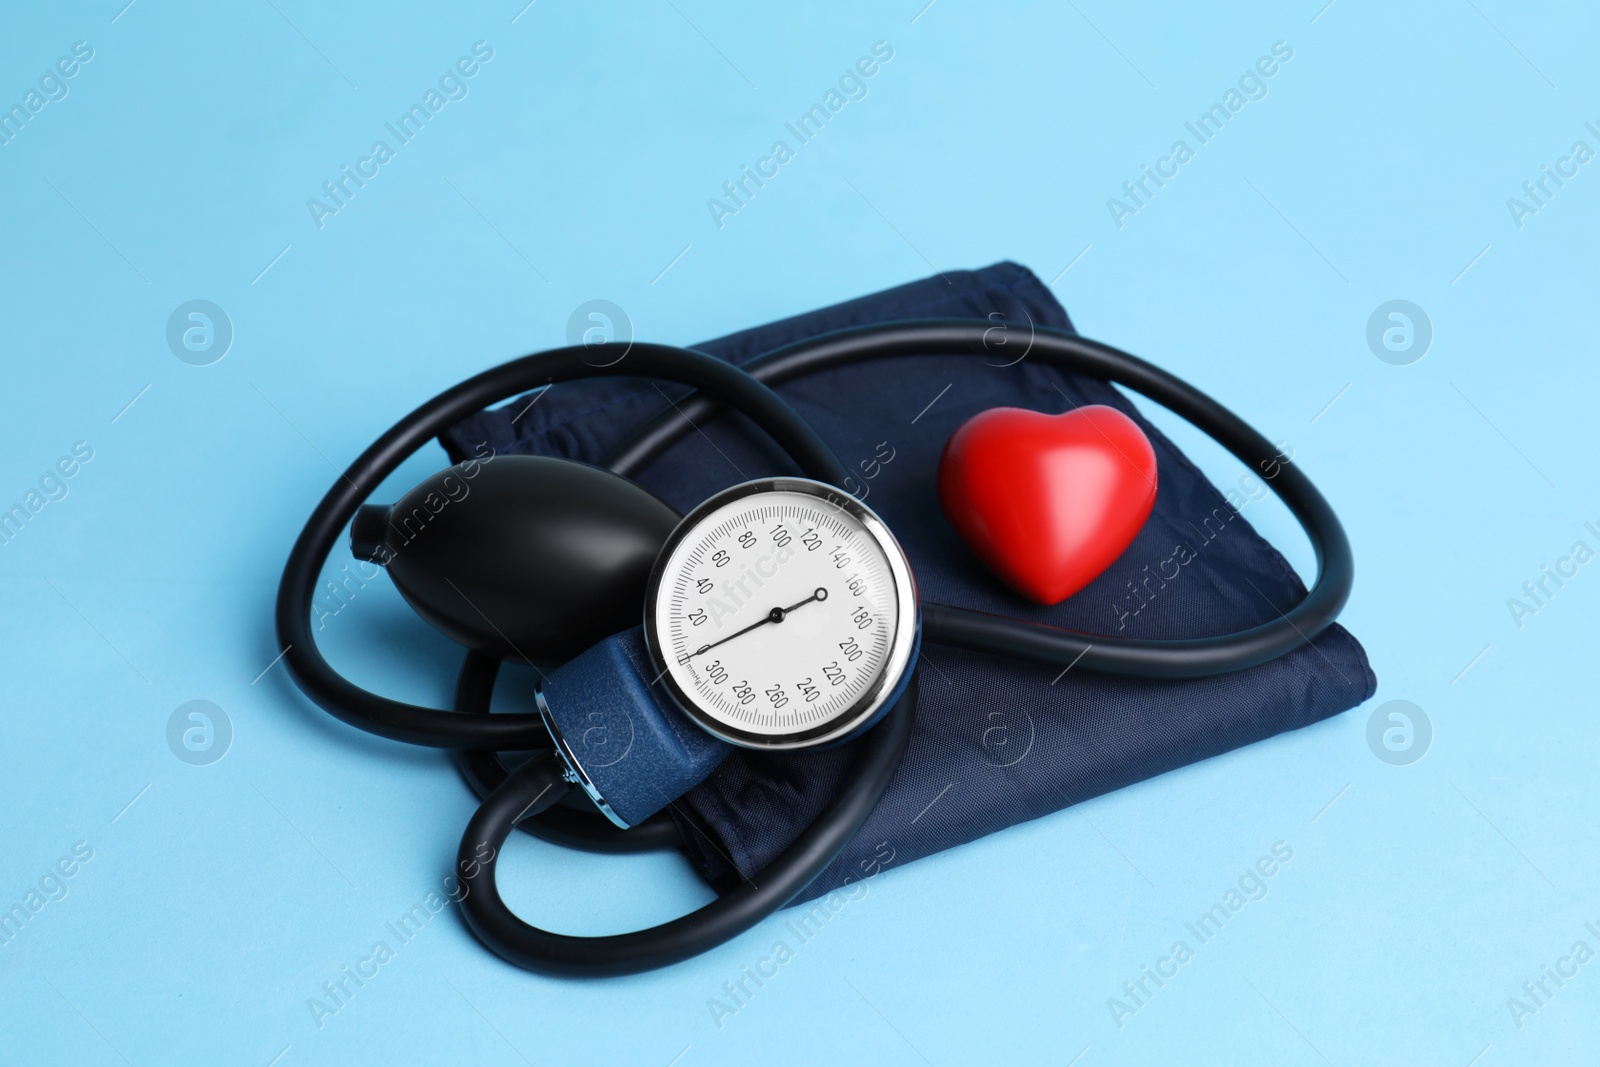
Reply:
x=775, y=615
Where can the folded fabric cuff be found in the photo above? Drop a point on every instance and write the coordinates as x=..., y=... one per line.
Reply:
x=997, y=741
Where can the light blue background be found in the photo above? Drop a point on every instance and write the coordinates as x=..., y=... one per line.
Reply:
x=220, y=898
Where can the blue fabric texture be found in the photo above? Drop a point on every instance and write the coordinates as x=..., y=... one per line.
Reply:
x=997, y=741
x=640, y=752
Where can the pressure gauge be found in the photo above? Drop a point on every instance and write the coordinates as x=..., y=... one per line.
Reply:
x=782, y=614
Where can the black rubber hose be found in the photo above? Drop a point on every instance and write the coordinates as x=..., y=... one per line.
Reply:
x=719, y=382
x=1051, y=646
x=731, y=914
x=400, y=721
x=538, y=784
x=581, y=827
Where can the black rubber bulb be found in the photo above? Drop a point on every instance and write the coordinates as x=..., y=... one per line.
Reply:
x=522, y=557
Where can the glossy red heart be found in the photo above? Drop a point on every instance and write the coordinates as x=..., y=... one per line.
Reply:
x=1047, y=502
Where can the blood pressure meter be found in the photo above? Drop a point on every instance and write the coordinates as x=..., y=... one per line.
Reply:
x=781, y=614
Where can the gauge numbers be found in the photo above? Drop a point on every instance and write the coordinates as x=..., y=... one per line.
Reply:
x=777, y=615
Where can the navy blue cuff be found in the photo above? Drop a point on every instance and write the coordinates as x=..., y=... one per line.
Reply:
x=997, y=741
x=621, y=736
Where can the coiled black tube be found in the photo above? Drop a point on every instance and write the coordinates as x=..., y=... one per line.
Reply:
x=540, y=782
x=527, y=794
x=719, y=383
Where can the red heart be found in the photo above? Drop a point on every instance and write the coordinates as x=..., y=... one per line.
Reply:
x=1048, y=501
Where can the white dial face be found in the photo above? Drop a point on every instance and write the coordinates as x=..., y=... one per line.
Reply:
x=778, y=613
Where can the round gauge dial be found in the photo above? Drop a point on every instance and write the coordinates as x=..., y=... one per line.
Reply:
x=782, y=613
